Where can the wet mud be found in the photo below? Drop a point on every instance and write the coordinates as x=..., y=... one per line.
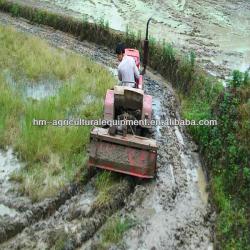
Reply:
x=9, y=198
x=172, y=211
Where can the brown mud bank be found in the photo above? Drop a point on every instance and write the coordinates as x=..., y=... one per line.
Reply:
x=217, y=32
x=171, y=211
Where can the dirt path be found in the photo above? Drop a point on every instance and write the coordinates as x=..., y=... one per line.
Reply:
x=217, y=31
x=172, y=211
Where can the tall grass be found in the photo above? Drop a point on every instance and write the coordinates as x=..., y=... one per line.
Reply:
x=53, y=154
x=10, y=108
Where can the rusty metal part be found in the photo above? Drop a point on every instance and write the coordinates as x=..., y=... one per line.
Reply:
x=131, y=155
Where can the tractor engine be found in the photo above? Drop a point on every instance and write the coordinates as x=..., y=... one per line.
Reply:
x=128, y=107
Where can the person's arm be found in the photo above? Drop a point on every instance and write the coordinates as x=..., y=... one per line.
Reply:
x=119, y=75
x=136, y=72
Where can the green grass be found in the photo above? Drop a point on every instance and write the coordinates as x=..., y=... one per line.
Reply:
x=53, y=154
x=225, y=149
x=115, y=229
x=104, y=181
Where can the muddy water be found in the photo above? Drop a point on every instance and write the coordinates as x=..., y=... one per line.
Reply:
x=4, y=210
x=41, y=90
x=171, y=212
x=218, y=33
x=8, y=164
x=36, y=91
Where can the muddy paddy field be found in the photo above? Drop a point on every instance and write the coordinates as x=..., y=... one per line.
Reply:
x=217, y=31
x=170, y=212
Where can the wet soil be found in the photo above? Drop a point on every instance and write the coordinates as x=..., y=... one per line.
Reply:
x=172, y=211
x=218, y=32
x=9, y=199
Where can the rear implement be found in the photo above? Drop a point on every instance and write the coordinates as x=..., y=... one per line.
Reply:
x=132, y=155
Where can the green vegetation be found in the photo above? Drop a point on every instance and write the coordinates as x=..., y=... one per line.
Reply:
x=226, y=150
x=114, y=230
x=53, y=154
x=104, y=182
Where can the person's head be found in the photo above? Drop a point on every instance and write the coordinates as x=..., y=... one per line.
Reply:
x=120, y=51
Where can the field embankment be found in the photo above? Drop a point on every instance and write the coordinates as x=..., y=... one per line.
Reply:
x=226, y=152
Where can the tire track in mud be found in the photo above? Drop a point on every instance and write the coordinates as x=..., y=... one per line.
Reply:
x=74, y=222
x=170, y=210
x=28, y=214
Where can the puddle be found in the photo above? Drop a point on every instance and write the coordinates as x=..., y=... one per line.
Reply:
x=87, y=199
x=172, y=173
x=8, y=164
x=202, y=184
x=157, y=107
x=37, y=91
x=179, y=135
x=210, y=247
x=41, y=90
x=196, y=174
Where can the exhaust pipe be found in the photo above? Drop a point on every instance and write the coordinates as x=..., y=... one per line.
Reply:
x=146, y=49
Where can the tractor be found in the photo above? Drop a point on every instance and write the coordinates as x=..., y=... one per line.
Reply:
x=124, y=146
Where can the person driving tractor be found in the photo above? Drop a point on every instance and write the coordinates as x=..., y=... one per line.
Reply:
x=128, y=73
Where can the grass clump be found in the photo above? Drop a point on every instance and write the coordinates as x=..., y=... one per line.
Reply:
x=105, y=180
x=115, y=229
x=53, y=154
